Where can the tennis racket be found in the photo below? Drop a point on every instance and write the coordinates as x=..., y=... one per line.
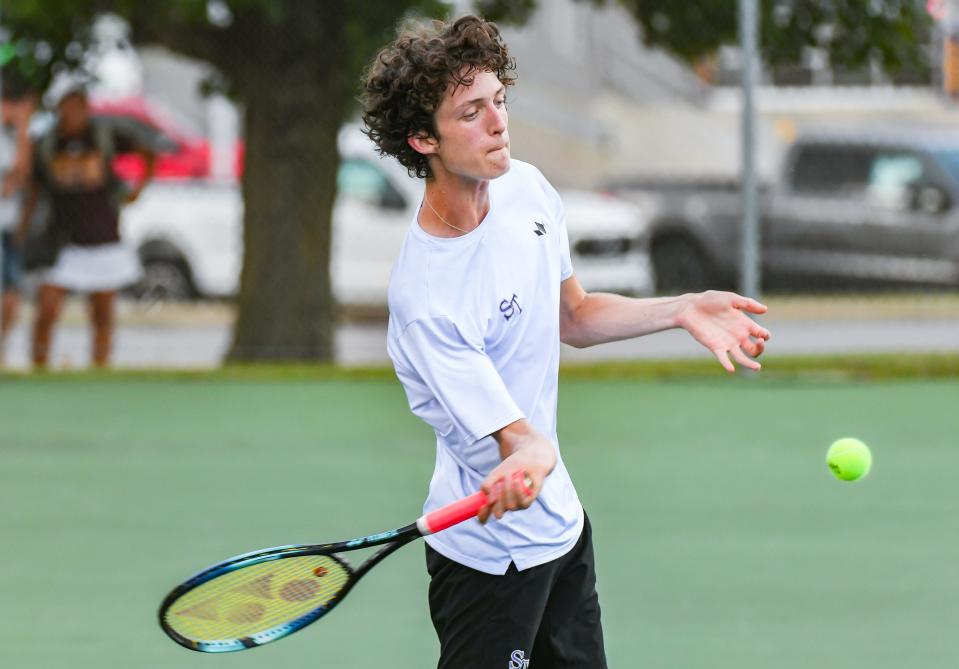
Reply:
x=259, y=597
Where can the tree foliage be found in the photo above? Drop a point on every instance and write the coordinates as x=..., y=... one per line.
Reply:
x=855, y=33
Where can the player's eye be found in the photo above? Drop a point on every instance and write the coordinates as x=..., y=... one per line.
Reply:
x=471, y=115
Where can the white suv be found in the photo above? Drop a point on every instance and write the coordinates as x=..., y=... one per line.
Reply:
x=189, y=236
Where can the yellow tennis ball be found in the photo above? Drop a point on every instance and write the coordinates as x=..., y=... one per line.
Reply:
x=849, y=459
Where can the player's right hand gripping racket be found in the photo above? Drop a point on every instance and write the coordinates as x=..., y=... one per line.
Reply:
x=258, y=597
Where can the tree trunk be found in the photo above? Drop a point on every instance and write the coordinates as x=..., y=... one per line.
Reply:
x=294, y=110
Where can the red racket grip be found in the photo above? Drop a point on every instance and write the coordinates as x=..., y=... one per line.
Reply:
x=452, y=514
x=460, y=510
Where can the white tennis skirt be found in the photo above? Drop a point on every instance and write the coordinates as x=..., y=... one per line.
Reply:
x=94, y=269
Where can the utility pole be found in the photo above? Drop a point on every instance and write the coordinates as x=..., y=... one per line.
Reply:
x=749, y=246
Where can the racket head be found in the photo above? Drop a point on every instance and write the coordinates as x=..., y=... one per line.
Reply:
x=255, y=598
x=259, y=597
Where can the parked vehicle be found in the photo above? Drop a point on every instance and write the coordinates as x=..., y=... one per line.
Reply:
x=853, y=208
x=189, y=234
x=180, y=154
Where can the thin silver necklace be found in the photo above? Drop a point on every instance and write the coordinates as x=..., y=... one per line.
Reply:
x=426, y=200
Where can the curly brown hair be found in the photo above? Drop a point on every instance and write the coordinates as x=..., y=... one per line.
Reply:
x=405, y=83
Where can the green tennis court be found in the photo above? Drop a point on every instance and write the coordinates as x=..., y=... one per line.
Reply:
x=722, y=540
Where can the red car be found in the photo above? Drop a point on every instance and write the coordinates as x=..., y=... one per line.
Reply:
x=180, y=154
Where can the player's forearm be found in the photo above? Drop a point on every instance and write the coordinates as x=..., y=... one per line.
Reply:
x=516, y=436
x=598, y=318
x=521, y=436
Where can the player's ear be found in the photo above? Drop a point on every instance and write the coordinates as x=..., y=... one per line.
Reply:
x=423, y=142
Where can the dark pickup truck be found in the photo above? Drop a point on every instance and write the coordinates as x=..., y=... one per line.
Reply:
x=864, y=208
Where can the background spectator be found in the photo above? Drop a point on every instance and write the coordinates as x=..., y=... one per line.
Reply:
x=73, y=167
x=18, y=105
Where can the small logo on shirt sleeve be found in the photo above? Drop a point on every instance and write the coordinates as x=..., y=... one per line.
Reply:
x=540, y=229
x=510, y=307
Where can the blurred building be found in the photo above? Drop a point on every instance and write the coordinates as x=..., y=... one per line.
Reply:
x=593, y=104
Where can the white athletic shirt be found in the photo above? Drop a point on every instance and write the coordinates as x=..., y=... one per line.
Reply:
x=474, y=338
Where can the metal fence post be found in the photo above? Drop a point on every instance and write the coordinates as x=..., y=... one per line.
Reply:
x=749, y=248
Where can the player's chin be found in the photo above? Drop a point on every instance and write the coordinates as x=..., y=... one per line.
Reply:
x=498, y=163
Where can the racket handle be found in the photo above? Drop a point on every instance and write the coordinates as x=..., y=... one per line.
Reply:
x=460, y=510
x=452, y=514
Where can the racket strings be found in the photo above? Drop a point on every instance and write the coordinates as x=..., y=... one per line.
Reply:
x=255, y=599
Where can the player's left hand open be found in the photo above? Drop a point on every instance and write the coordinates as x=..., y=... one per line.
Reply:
x=718, y=321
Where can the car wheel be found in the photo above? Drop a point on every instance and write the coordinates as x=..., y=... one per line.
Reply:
x=164, y=279
x=679, y=266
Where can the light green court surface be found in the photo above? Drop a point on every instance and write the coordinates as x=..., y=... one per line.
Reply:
x=722, y=539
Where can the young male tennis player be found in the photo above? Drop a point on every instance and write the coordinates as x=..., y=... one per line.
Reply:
x=481, y=295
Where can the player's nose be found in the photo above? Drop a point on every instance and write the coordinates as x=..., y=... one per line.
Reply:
x=497, y=120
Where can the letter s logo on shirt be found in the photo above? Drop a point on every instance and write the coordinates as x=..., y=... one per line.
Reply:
x=510, y=307
x=517, y=660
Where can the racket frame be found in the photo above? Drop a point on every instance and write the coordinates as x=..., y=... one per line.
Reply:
x=393, y=539
x=429, y=523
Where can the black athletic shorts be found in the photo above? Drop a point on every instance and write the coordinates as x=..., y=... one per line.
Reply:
x=545, y=617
